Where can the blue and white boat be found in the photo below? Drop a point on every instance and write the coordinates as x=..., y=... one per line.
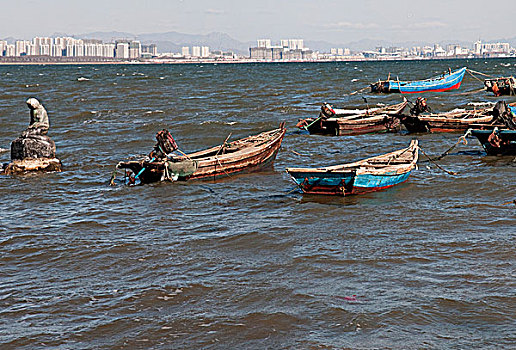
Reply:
x=368, y=175
x=445, y=82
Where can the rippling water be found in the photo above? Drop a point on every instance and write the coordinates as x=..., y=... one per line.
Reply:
x=243, y=262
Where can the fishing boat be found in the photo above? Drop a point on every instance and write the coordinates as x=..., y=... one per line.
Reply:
x=339, y=122
x=501, y=86
x=243, y=155
x=448, y=81
x=368, y=175
x=458, y=120
x=497, y=142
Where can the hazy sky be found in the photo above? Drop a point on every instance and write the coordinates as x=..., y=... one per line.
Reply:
x=331, y=20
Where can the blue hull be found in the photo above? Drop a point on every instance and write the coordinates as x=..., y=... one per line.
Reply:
x=438, y=84
x=346, y=183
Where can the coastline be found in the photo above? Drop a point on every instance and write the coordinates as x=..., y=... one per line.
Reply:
x=41, y=60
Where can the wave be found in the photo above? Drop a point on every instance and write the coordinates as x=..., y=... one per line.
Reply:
x=217, y=122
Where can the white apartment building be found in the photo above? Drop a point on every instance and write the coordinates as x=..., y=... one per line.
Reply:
x=296, y=44
x=185, y=51
x=266, y=43
x=135, y=50
x=196, y=51
x=205, y=51
x=122, y=50
x=71, y=47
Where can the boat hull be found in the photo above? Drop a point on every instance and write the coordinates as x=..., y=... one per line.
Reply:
x=449, y=82
x=367, y=175
x=347, y=184
x=497, y=142
x=216, y=165
x=449, y=122
x=343, y=127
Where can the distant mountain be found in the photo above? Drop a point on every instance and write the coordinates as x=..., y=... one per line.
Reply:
x=173, y=41
x=511, y=41
x=107, y=36
x=10, y=40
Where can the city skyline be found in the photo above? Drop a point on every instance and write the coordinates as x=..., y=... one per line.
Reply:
x=330, y=20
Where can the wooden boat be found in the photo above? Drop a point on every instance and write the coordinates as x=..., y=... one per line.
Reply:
x=454, y=121
x=497, y=142
x=449, y=81
x=368, y=175
x=501, y=86
x=247, y=154
x=341, y=122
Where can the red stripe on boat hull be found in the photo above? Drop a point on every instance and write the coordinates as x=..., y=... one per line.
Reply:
x=453, y=87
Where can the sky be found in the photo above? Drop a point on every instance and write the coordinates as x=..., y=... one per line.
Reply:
x=329, y=20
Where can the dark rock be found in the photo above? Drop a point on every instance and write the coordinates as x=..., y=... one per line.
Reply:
x=33, y=146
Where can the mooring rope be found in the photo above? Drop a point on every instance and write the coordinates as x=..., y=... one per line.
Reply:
x=437, y=165
x=461, y=139
x=480, y=73
x=359, y=91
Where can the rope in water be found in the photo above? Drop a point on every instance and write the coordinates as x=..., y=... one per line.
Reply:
x=359, y=91
x=461, y=139
x=437, y=165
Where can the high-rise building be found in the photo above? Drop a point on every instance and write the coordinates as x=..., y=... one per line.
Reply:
x=185, y=51
x=205, y=51
x=196, y=51
x=108, y=50
x=21, y=47
x=151, y=50
x=266, y=43
x=3, y=45
x=10, y=50
x=296, y=44
x=135, y=49
x=122, y=50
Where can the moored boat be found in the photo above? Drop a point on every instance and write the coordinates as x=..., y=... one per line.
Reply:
x=368, y=175
x=447, y=81
x=497, y=142
x=455, y=121
x=339, y=122
x=246, y=154
x=501, y=86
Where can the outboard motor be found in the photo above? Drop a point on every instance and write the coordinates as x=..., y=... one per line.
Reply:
x=327, y=111
x=419, y=107
x=503, y=114
x=165, y=145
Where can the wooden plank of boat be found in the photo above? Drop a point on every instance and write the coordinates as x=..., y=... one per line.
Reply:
x=247, y=154
x=380, y=120
x=455, y=121
x=367, y=175
x=449, y=81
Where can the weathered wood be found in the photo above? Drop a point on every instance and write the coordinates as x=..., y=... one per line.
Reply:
x=366, y=175
x=454, y=121
x=349, y=122
x=246, y=154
